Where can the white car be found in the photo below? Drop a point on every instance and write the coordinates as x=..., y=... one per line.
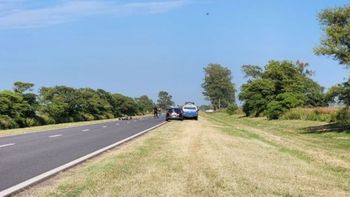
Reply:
x=190, y=110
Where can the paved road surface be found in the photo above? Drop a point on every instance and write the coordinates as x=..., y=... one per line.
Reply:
x=25, y=156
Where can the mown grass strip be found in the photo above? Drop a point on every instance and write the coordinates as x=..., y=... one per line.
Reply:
x=229, y=127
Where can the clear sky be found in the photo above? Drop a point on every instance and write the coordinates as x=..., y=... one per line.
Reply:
x=140, y=47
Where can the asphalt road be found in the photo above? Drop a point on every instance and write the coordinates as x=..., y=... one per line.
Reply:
x=25, y=156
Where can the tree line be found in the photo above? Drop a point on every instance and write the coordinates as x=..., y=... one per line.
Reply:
x=20, y=107
x=280, y=86
x=269, y=91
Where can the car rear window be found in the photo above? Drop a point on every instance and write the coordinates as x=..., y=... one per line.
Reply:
x=177, y=110
x=191, y=108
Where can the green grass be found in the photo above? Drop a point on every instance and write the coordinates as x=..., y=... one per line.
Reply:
x=294, y=129
x=332, y=144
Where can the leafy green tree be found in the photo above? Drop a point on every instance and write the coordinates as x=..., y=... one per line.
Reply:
x=256, y=94
x=21, y=87
x=252, y=71
x=218, y=87
x=340, y=93
x=336, y=41
x=164, y=100
x=281, y=85
x=124, y=106
x=335, y=23
x=15, y=110
x=30, y=98
x=60, y=103
x=65, y=104
x=92, y=105
x=145, y=104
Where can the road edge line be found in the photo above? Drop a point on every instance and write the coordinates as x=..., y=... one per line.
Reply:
x=45, y=175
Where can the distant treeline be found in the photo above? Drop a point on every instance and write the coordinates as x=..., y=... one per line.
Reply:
x=60, y=104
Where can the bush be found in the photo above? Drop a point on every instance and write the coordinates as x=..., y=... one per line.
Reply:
x=274, y=110
x=45, y=119
x=7, y=123
x=87, y=117
x=343, y=117
x=30, y=122
x=231, y=109
x=324, y=114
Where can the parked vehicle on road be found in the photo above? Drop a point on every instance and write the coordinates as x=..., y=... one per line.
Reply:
x=190, y=110
x=174, y=113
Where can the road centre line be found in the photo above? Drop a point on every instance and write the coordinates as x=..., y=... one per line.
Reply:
x=84, y=130
x=58, y=135
x=6, y=145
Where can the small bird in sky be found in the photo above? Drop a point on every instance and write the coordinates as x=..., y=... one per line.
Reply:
x=207, y=13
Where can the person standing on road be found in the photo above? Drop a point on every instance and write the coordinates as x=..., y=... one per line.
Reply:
x=155, y=112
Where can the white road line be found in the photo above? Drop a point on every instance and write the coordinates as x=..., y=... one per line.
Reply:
x=59, y=135
x=85, y=130
x=5, y=145
x=104, y=126
x=117, y=124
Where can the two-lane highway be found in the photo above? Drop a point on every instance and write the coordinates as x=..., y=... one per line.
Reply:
x=23, y=157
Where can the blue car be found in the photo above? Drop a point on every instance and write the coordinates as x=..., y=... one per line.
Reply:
x=190, y=110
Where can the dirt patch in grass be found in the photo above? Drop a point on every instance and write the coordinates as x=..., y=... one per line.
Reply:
x=194, y=158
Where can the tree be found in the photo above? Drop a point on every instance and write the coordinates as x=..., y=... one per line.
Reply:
x=164, y=100
x=252, y=71
x=145, y=104
x=60, y=103
x=340, y=93
x=92, y=105
x=336, y=42
x=218, y=87
x=21, y=87
x=19, y=108
x=256, y=94
x=15, y=111
x=280, y=86
x=124, y=106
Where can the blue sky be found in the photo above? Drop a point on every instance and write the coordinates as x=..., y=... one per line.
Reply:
x=140, y=47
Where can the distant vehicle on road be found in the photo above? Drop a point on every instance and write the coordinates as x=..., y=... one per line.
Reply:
x=190, y=110
x=174, y=113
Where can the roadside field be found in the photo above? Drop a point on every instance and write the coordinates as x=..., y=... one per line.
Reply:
x=219, y=155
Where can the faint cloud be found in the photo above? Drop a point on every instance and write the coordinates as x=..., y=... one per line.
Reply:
x=26, y=14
